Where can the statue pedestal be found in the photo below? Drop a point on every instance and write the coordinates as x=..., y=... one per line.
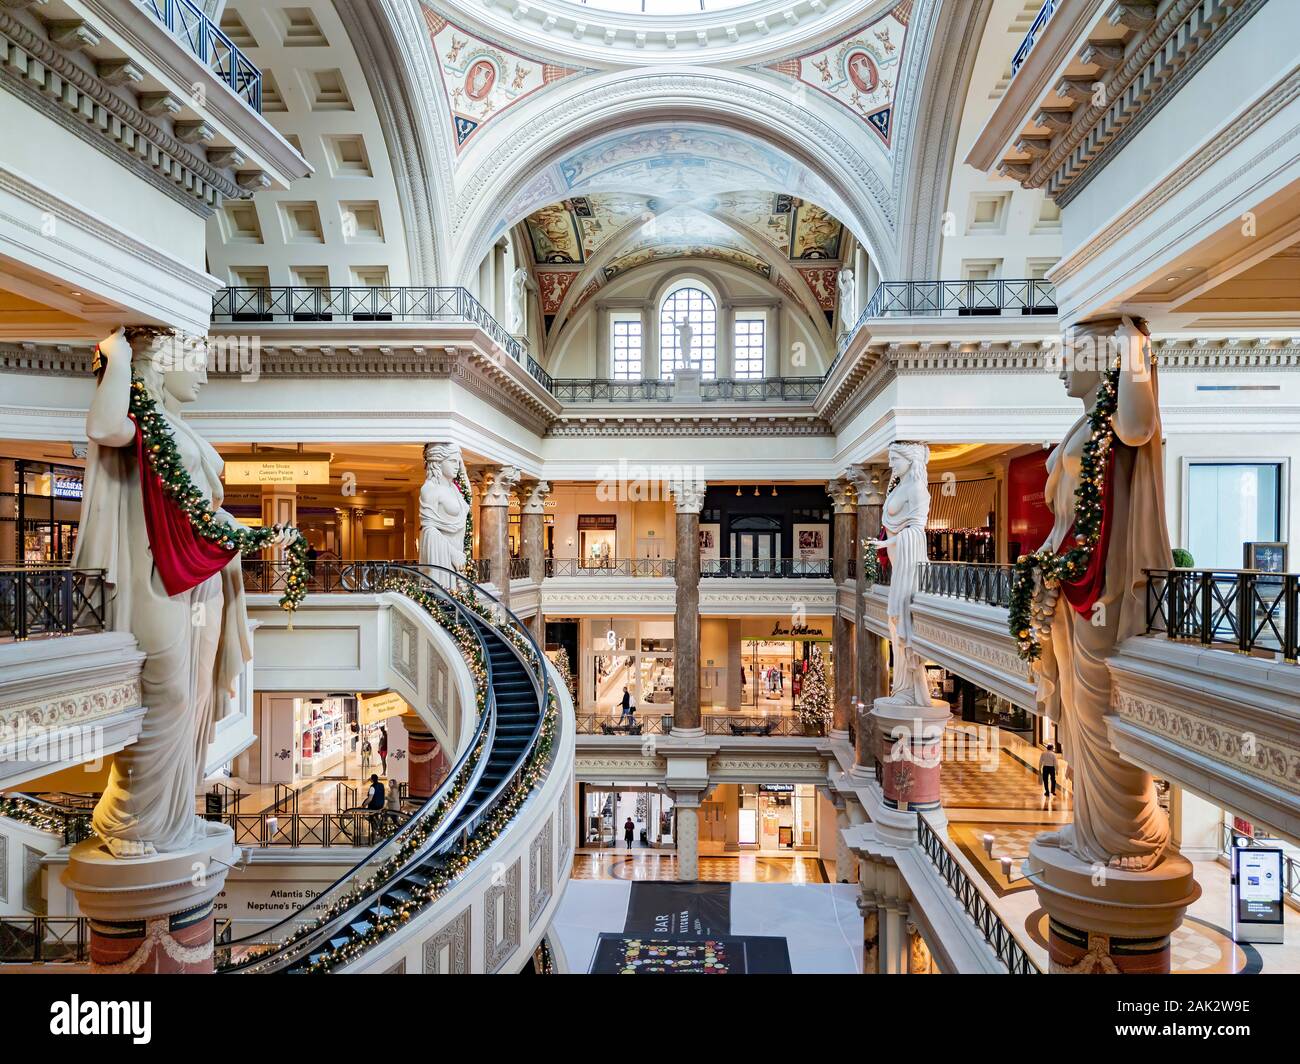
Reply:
x=1107, y=921
x=152, y=915
x=911, y=749
x=686, y=384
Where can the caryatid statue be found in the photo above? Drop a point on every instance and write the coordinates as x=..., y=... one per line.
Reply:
x=846, y=287
x=519, y=302
x=906, y=509
x=195, y=641
x=443, y=509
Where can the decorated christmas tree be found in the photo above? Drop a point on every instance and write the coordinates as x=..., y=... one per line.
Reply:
x=566, y=673
x=814, y=695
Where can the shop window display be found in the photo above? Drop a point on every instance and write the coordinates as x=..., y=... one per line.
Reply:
x=778, y=816
x=606, y=811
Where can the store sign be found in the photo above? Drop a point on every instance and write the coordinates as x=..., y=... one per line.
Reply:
x=67, y=487
x=782, y=630
x=777, y=788
x=381, y=707
x=278, y=469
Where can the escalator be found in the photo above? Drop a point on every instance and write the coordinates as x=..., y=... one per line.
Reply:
x=490, y=779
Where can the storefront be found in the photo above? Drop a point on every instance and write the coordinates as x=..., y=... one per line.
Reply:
x=632, y=653
x=605, y=811
x=597, y=541
x=774, y=657
x=40, y=510
x=335, y=735
x=778, y=816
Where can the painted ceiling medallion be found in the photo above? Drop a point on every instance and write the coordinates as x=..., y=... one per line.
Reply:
x=483, y=79
x=859, y=71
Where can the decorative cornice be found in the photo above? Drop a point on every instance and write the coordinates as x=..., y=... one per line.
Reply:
x=675, y=424
x=92, y=110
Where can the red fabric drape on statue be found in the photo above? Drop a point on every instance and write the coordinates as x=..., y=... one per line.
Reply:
x=1083, y=592
x=184, y=559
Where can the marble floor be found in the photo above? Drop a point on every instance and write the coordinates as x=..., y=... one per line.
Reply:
x=662, y=865
x=819, y=921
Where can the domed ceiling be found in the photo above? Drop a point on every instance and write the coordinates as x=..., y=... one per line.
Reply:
x=583, y=242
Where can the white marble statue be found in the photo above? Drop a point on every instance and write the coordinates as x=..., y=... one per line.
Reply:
x=846, y=286
x=906, y=509
x=685, y=337
x=195, y=643
x=519, y=302
x=1117, y=819
x=443, y=508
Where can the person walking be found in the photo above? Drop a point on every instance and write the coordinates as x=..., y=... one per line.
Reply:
x=1047, y=769
x=628, y=829
x=626, y=716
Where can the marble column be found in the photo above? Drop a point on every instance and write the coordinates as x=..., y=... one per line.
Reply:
x=152, y=915
x=869, y=906
x=688, y=837
x=869, y=483
x=532, y=533
x=494, y=535
x=279, y=507
x=8, y=512
x=688, y=495
x=844, y=537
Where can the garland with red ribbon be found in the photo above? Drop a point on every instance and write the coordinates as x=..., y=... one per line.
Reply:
x=1079, y=567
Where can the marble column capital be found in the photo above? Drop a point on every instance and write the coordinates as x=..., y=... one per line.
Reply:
x=534, y=496
x=869, y=482
x=688, y=494
x=498, y=483
x=842, y=496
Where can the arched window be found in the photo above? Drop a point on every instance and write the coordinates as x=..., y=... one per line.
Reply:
x=688, y=306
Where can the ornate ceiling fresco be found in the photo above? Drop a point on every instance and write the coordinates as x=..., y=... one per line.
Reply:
x=607, y=234
x=859, y=71
x=483, y=79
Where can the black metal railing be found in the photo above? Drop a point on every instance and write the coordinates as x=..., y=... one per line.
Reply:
x=278, y=304
x=44, y=939
x=723, y=389
x=1245, y=609
x=932, y=299
x=202, y=37
x=613, y=567
x=51, y=600
x=996, y=933
x=519, y=568
x=641, y=724
x=759, y=568
x=985, y=582
x=328, y=576
x=1036, y=27
x=357, y=828
x=740, y=724
x=1290, y=865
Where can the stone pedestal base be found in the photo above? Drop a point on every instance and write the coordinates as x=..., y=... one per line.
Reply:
x=1106, y=921
x=911, y=747
x=152, y=915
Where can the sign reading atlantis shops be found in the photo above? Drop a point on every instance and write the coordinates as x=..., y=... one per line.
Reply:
x=781, y=629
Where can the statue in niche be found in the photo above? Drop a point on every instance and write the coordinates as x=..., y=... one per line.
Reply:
x=196, y=642
x=443, y=508
x=906, y=509
x=847, y=289
x=519, y=302
x=685, y=336
x=1117, y=818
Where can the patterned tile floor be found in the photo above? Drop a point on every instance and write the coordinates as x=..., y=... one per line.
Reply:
x=742, y=868
x=969, y=784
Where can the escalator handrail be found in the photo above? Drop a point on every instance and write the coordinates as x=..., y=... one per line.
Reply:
x=440, y=841
x=483, y=736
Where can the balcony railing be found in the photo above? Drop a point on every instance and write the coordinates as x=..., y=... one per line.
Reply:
x=51, y=600
x=519, y=568
x=957, y=299
x=329, y=576
x=293, y=303
x=973, y=581
x=769, y=568
x=565, y=567
x=987, y=921
x=1245, y=609
x=722, y=389
x=44, y=939
x=189, y=25
x=1044, y=15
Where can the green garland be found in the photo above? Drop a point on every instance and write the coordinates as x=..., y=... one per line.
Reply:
x=1026, y=622
x=468, y=496
x=165, y=461
x=871, y=563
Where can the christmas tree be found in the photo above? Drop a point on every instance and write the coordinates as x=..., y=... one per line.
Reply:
x=566, y=673
x=814, y=695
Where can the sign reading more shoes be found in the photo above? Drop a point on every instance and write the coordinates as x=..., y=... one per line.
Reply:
x=271, y=468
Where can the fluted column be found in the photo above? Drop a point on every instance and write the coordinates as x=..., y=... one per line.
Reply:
x=494, y=535
x=844, y=539
x=688, y=837
x=532, y=532
x=688, y=495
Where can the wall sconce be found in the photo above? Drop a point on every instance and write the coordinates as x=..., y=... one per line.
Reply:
x=756, y=491
x=774, y=491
